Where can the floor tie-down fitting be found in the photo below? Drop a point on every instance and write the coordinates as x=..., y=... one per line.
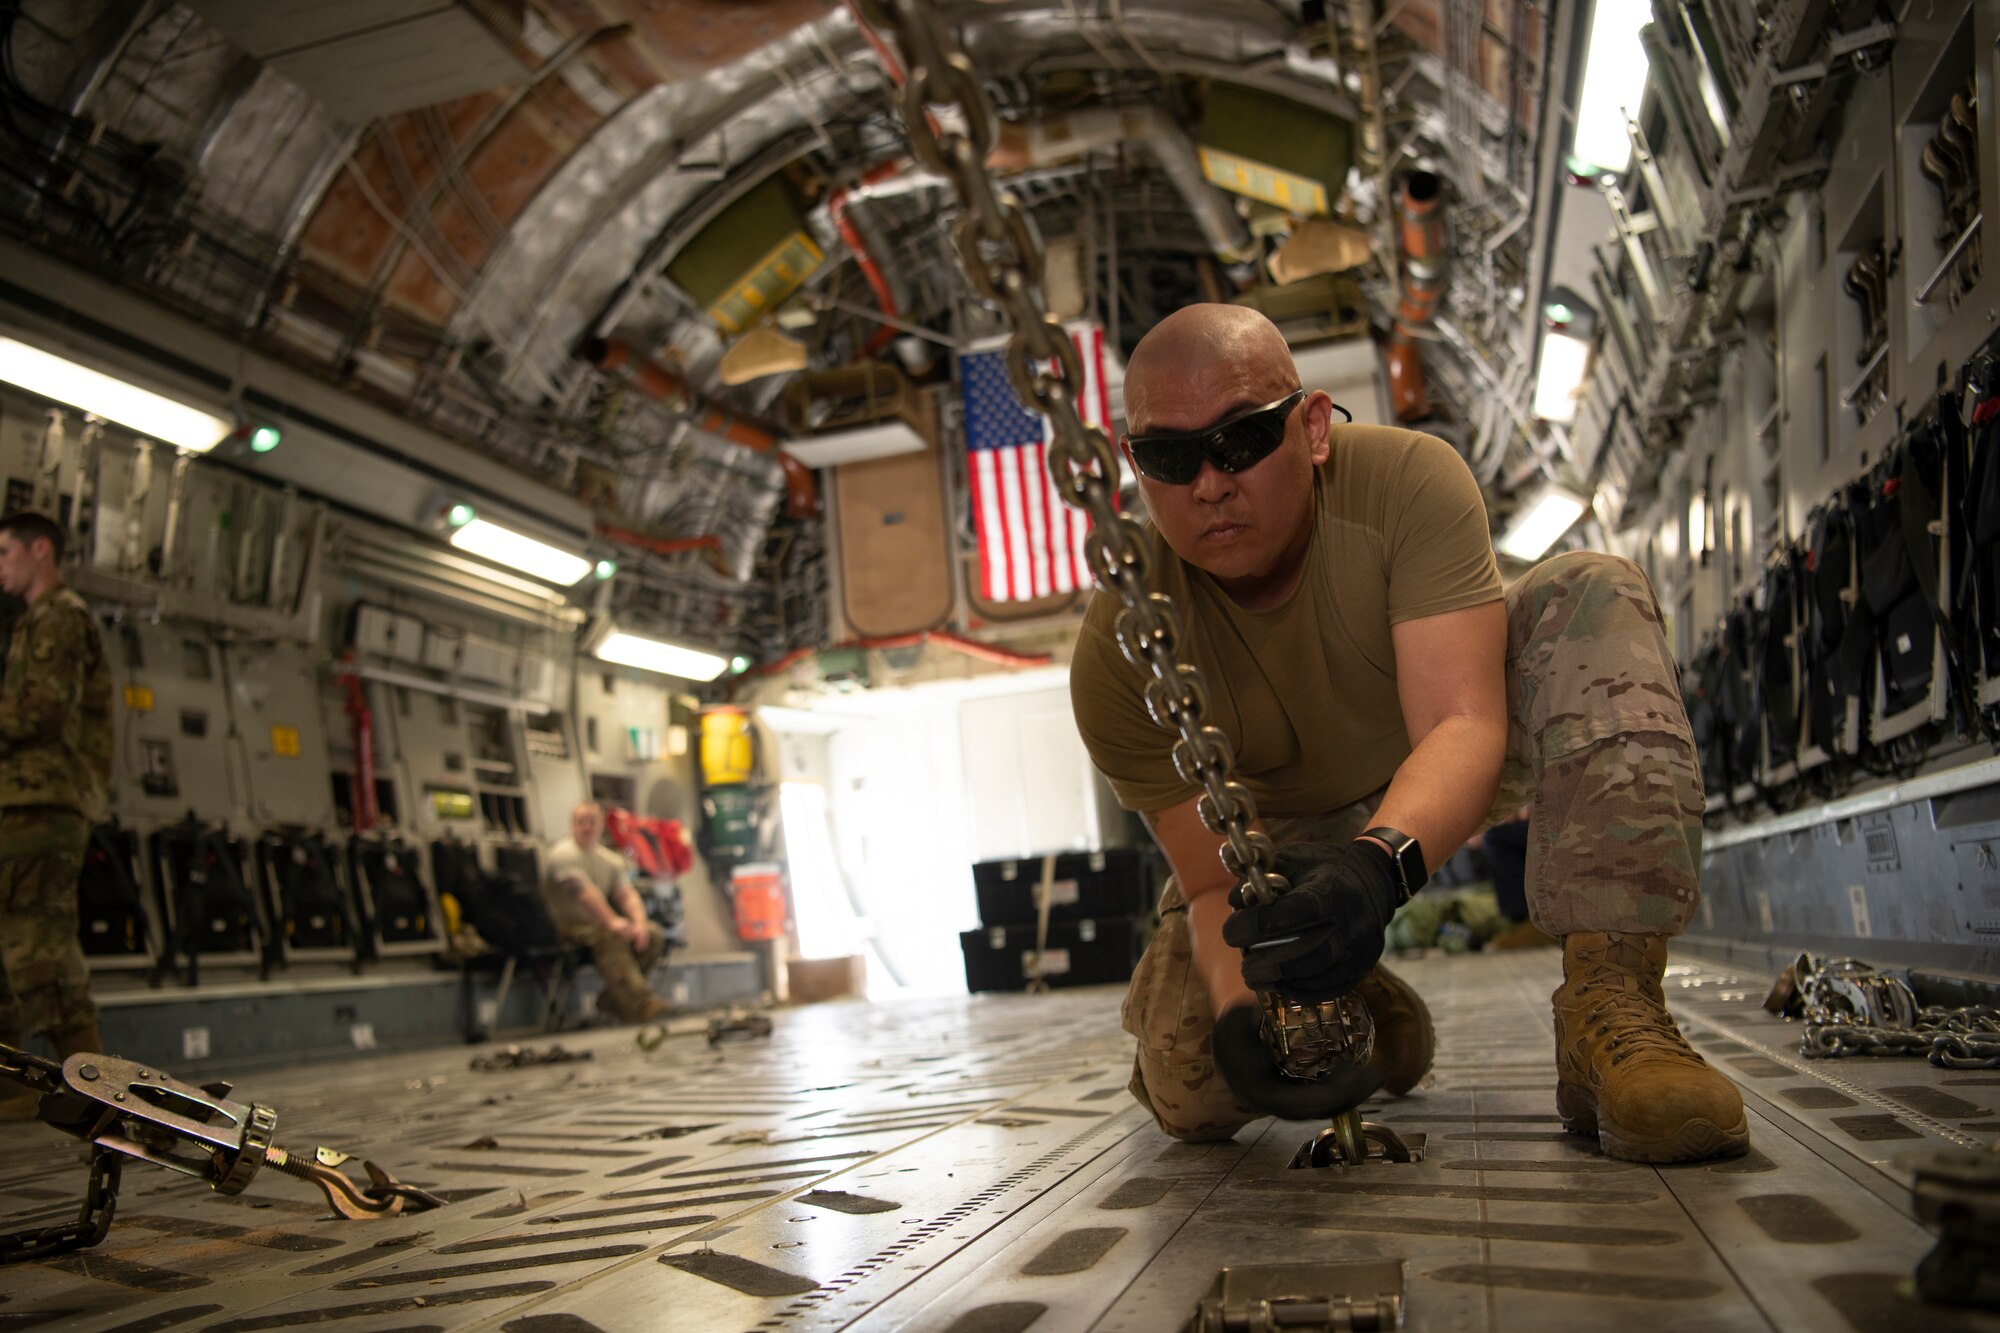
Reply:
x=1311, y=1040
x=1362, y=1296
x=1352, y=1141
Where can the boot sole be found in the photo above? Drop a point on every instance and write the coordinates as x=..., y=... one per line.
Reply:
x=1696, y=1141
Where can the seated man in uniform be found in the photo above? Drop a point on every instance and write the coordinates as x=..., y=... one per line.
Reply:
x=1383, y=696
x=593, y=902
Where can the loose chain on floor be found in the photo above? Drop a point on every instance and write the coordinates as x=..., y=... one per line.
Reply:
x=93, y=1222
x=1964, y=1038
x=1851, y=1009
x=100, y=1200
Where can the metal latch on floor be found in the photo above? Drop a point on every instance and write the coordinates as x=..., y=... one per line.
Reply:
x=736, y=1026
x=1352, y=1141
x=1363, y=1296
x=126, y=1109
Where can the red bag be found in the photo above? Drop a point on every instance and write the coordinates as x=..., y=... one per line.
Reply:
x=675, y=849
x=627, y=834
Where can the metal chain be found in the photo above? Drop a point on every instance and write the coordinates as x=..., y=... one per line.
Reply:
x=1002, y=257
x=92, y=1224
x=100, y=1200
x=1963, y=1038
x=1851, y=1009
x=29, y=1070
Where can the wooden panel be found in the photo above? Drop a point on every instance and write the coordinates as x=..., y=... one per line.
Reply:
x=895, y=544
x=1002, y=613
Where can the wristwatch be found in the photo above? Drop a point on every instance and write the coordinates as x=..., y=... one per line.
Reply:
x=1409, y=858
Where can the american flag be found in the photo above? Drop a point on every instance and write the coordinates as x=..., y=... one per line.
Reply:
x=1030, y=542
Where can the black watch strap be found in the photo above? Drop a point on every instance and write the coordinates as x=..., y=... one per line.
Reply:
x=1411, y=874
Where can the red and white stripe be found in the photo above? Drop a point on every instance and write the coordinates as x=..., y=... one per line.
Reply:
x=1031, y=544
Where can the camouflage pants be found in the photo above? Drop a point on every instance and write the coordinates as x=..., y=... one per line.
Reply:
x=1598, y=748
x=44, y=984
x=623, y=968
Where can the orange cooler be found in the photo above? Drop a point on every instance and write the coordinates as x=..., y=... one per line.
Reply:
x=758, y=891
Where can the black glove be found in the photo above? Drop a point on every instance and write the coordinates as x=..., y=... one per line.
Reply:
x=1246, y=1065
x=1317, y=941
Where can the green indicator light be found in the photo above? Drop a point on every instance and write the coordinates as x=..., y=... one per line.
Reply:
x=739, y=665
x=264, y=439
x=460, y=515
x=1558, y=313
x=606, y=568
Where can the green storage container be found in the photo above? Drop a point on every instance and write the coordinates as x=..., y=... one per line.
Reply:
x=1274, y=149
x=751, y=257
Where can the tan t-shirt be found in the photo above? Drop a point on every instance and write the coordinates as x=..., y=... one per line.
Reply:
x=600, y=865
x=1306, y=690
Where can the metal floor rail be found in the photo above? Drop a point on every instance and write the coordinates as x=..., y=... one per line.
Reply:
x=975, y=1165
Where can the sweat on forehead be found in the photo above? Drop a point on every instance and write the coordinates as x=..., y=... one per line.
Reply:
x=1199, y=338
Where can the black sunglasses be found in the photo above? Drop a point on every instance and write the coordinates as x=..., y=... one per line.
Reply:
x=1241, y=442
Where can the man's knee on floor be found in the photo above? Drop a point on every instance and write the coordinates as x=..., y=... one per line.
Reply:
x=1189, y=1102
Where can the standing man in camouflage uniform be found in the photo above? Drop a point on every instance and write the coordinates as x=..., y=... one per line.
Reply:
x=55, y=768
x=1382, y=696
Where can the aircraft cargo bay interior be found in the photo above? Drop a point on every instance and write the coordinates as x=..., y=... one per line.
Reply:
x=998, y=665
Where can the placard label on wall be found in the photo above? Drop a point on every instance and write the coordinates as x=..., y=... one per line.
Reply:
x=1055, y=962
x=139, y=698
x=285, y=742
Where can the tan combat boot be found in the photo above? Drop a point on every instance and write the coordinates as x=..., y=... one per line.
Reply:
x=1624, y=1073
x=1405, y=1040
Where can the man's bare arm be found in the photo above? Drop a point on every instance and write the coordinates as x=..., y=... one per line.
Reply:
x=1196, y=857
x=1450, y=675
x=1451, y=678
x=592, y=901
x=625, y=899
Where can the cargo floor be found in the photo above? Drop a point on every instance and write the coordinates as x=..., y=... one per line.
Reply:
x=976, y=1165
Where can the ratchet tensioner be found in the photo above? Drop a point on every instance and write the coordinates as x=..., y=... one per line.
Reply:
x=126, y=1109
x=1309, y=1041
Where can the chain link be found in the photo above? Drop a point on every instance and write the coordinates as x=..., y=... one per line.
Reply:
x=92, y=1224
x=29, y=1070
x=1002, y=256
x=100, y=1200
x=1963, y=1038
x=1851, y=1009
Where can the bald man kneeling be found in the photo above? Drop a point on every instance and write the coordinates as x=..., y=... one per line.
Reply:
x=1383, y=697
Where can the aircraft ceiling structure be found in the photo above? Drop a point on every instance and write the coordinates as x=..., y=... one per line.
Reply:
x=444, y=206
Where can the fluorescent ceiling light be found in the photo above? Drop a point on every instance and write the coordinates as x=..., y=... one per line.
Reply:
x=612, y=644
x=1614, y=79
x=884, y=439
x=1561, y=375
x=1535, y=529
x=504, y=546
x=106, y=396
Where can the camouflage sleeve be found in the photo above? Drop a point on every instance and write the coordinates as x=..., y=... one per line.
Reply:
x=56, y=657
